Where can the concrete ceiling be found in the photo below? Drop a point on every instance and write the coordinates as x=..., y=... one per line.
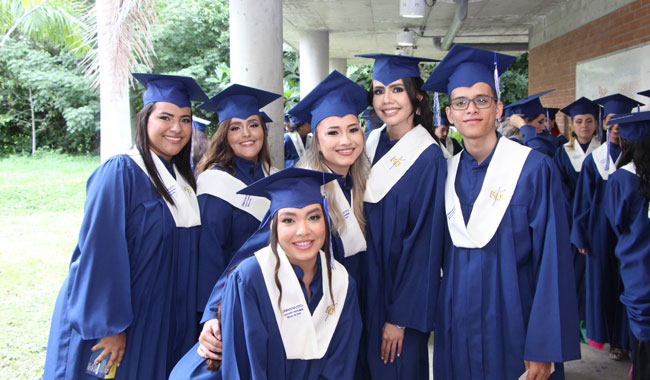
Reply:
x=370, y=26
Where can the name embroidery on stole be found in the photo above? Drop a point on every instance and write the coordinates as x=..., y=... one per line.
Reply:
x=186, y=211
x=304, y=336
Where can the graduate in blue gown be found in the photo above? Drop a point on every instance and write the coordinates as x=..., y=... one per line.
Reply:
x=404, y=214
x=530, y=117
x=308, y=328
x=199, y=140
x=442, y=131
x=507, y=301
x=591, y=234
x=238, y=155
x=132, y=280
x=295, y=141
x=331, y=109
x=627, y=199
x=568, y=158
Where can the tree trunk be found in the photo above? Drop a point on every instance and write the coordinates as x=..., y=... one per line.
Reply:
x=31, y=106
x=115, y=112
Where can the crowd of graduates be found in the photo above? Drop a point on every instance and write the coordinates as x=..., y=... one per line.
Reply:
x=199, y=260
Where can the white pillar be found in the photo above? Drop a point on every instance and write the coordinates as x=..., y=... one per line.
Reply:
x=256, y=59
x=339, y=64
x=314, y=59
x=114, y=108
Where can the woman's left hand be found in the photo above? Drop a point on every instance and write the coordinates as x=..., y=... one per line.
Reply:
x=538, y=370
x=391, y=342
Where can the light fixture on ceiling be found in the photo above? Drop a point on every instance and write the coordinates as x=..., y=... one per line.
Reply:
x=406, y=37
x=412, y=8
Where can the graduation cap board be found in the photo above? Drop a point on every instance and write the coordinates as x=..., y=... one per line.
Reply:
x=199, y=124
x=528, y=106
x=239, y=101
x=632, y=126
x=335, y=95
x=390, y=67
x=179, y=90
x=617, y=103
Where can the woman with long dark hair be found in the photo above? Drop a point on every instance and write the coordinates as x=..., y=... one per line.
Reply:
x=129, y=298
x=289, y=310
x=626, y=205
x=405, y=230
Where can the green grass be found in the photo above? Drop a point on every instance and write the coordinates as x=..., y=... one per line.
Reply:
x=41, y=206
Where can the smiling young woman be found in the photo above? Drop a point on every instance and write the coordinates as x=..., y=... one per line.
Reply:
x=139, y=205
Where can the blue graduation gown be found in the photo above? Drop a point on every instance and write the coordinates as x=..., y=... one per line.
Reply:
x=605, y=315
x=514, y=299
x=543, y=142
x=401, y=268
x=627, y=212
x=224, y=229
x=252, y=345
x=290, y=153
x=132, y=270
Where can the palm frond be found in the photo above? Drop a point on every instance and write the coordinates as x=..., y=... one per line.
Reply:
x=123, y=32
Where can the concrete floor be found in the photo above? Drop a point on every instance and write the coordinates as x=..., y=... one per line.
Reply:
x=594, y=365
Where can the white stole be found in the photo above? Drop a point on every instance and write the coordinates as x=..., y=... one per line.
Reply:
x=386, y=172
x=630, y=167
x=445, y=153
x=352, y=237
x=450, y=145
x=575, y=153
x=186, y=207
x=601, y=157
x=494, y=198
x=225, y=186
x=297, y=143
x=304, y=336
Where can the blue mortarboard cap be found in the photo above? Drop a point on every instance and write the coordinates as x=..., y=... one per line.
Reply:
x=443, y=121
x=552, y=112
x=335, y=95
x=287, y=117
x=632, y=126
x=581, y=106
x=199, y=124
x=388, y=67
x=265, y=118
x=292, y=187
x=465, y=66
x=239, y=101
x=175, y=89
x=617, y=103
x=644, y=93
x=295, y=120
x=528, y=106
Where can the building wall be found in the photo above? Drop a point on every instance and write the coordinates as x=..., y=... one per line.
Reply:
x=552, y=65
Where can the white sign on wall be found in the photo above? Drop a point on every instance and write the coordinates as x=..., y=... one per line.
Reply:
x=625, y=71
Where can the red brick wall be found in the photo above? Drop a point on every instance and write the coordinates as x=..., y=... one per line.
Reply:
x=553, y=64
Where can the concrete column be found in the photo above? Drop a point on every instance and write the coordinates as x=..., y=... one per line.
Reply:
x=339, y=64
x=314, y=59
x=256, y=59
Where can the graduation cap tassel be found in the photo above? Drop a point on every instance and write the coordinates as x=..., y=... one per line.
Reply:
x=608, y=151
x=327, y=216
x=497, y=86
x=600, y=124
x=436, y=109
x=548, y=120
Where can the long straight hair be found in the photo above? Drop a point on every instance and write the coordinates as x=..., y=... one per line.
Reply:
x=359, y=171
x=220, y=154
x=273, y=243
x=422, y=113
x=181, y=160
x=638, y=151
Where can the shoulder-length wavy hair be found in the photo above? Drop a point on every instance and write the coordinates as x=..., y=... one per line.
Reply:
x=423, y=115
x=181, y=160
x=359, y=171
x=220, y=154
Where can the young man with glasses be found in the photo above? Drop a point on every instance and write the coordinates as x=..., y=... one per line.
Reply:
x=507, y=302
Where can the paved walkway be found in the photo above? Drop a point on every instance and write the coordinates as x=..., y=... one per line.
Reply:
x=594, y=365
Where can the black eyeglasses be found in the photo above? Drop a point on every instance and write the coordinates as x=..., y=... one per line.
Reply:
x=481, y=102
